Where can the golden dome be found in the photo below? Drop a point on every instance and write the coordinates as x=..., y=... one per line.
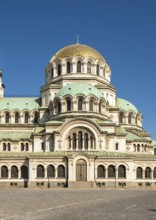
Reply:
x=78, y=50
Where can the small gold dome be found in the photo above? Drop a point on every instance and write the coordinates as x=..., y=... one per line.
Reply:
x=78, y=50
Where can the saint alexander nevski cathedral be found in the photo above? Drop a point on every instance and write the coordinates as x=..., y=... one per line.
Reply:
x=77, y=133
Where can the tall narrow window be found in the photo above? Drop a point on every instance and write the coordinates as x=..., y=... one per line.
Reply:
x=68, y=67
x=68, y=105
x=121, y=117
x=129, y=119
x=80, y=140
x=100, y=107
x=116, y=146
x=26, y=118
x=52, y=73
x=79, y=67
x=61, y=171
x=4, y=146
x=154, y=151
x=122, y=171
x=88, y=67
x=36, y=116
x=97, y=69
x=59, y=107
x=7, y=117
x=74, y=141
x=111, y=171
x=139, y=173
x=101, y=171
x=91, y=103
x=80, y=104
x=69, y=141
x=86, y=141
x=51, y=171
x=27, y=147
x=14, y=172
x=138, y=147
x=16, y=117
x=148, y=173
x=9, y=147
x=22, y=146
x=4, y=172
x=59, y=70
x=40, y=171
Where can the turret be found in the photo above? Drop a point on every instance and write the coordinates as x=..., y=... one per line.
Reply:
x=1, y=85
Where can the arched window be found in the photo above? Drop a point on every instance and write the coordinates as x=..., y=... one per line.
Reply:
x=91, y=142
x=59, y=70
x=68, y=105
x=52, y=73
x=16, y=117
x=22, y=146
x=86, y=141
x=117, y=146
x=80, y=102
x=68, y=67
x=9, y=147
x=88, y=67
x=100, y=105
x=129, y=119
x=14, y=172
x=36, y=116
x=154, y=173
x=74, y=141
x=154, y=151
x=40, y=171
x=97, y=69
x=69, y=141
x=51, y=171
x=138, y=147
x=111, y=171
x=91, y=103
x=79, y=67
x=59, y=107
x=26, y=117
x=101, y=171
x=139, y=173
x=27, y=147
x=4, y=147
x=122, y=171
x=61, y=171
x=121, y=115
x=80, y=140
x=148, y=173
x=4, y=172
x=24, y=172
x=7, y=117
x=134, y=147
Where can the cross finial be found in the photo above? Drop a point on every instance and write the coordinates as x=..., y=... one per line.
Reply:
x=78, y=39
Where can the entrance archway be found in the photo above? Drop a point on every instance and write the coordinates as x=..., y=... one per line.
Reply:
x=81, y=170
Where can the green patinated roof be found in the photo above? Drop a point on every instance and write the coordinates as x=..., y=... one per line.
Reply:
x=67, y=153
x=132, y=137
x=39, y=130
x=15, y=135
x=125, y=105
x=22, y=103
x=79, y=88
x=153, y=143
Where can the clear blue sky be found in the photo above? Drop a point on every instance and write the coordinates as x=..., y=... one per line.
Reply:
x=123, y=31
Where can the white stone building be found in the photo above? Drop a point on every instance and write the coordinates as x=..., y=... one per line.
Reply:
x=78, y=133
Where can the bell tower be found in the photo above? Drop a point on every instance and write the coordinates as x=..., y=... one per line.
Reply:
x=1, y=85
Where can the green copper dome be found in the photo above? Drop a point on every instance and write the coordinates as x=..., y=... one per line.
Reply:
x=125, y=105
x=79, y=88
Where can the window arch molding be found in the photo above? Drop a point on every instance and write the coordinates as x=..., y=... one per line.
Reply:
x=122, y=117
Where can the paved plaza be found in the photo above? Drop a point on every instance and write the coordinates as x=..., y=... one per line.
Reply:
x=77, y=204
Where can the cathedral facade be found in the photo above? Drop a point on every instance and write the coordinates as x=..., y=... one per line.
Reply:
x=77, y=133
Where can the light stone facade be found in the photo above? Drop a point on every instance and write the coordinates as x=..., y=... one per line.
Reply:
x=78, y=133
